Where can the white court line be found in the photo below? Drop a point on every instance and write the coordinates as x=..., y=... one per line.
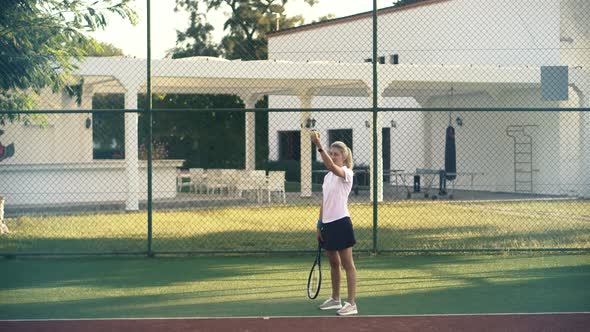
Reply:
x=475, y=201
x=274, y=317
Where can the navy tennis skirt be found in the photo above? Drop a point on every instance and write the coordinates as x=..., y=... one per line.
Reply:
x=338, y=234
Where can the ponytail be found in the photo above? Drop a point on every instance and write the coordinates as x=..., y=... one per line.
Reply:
x=349, y=159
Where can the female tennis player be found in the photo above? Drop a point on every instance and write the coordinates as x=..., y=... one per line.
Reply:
x=334, y=227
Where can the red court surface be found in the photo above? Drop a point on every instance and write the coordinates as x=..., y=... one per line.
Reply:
x=494, y=322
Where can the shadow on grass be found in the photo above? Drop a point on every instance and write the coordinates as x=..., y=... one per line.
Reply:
x=420, y=238
x=272, y=286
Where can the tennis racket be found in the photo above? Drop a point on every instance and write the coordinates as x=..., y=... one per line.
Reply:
x=314, y=282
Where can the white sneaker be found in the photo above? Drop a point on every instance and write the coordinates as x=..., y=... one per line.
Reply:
x=331, y=304
x=347, y=309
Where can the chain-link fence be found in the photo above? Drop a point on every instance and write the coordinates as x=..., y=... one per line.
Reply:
x=474, y=115
x=517, y=185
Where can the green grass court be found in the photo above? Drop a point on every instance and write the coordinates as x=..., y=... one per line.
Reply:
x=405, y=225
x=274, y=285
x=237, y=284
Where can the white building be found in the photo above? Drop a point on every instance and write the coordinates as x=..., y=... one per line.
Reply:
x=323, y=65
x=473, y=33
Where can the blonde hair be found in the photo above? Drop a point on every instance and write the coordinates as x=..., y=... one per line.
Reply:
x=346, y=153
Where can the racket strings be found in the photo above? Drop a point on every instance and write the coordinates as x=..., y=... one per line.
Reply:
x=315, y=280
x=315, y=277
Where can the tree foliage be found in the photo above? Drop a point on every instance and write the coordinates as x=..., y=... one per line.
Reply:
x=41, y=41
x=102, y=49
x=196, y=40
x=247, y=25
x=328, y=17
x=216, y=139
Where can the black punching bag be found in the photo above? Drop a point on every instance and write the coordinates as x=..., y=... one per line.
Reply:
x=450, y=155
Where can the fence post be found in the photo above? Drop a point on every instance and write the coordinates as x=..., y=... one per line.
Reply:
x=375, y=92
x=149, y=133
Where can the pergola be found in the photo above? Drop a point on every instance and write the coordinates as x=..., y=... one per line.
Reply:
x=252, y=79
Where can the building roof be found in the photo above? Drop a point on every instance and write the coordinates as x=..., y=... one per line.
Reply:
x=264, y=77
x=354, y=17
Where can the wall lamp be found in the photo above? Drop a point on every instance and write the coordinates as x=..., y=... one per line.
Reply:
x=310, y=123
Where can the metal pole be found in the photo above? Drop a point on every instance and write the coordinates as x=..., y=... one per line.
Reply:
x=149, y=134
x=375, y=91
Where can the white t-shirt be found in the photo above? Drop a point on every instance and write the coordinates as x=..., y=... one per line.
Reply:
x=335, y=191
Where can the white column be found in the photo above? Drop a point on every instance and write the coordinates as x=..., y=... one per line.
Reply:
x=250, y=132
x=131, y=158
x=585, y=146
x=305, y=147
x=379, y=171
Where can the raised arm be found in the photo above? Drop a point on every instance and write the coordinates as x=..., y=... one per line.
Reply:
x=315, y=138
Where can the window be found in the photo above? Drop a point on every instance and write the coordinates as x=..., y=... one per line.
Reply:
x=343, y=135
x=289, y=145
x=108, y=128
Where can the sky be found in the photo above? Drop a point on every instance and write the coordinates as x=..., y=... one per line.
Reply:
x=132, y=39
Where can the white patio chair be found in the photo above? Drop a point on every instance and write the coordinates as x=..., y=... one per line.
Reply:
x=230, y=178
x=276, y=183
x=181, y=176
x=251, y=181
x=197, y=176
x=214, y=181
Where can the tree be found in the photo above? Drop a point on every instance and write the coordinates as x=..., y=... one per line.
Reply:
x=328, y=17
x=102, y=49
x=248, y=24
x=196, y=40
x=216, y=139
x=205, y=139
x=41, y=41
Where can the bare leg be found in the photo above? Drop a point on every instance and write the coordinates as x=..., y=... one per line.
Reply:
x=334, y=258
x=348, y=264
